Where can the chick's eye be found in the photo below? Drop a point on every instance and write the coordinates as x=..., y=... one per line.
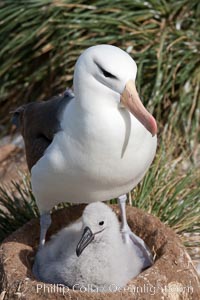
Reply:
x=101, y=223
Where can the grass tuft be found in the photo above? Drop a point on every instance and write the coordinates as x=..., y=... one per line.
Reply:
x=170, y=192
x=17, y=206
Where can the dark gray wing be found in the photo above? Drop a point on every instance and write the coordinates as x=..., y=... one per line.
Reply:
x=38, y=123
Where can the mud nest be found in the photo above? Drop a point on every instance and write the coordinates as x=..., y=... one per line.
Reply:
x=172, y=276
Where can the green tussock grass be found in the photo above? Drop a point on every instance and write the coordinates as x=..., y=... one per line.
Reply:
x=41, y=40
x=17, y=206
x=170, y=192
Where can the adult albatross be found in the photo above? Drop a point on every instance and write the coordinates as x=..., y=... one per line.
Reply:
x=94, y=145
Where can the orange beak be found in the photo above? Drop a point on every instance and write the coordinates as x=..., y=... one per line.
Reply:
x=131, y=100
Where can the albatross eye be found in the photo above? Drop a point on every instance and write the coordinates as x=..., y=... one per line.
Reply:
x=106, y=73
x=101, y=223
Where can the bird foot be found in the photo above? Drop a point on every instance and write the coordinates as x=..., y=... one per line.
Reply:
x=141, y=248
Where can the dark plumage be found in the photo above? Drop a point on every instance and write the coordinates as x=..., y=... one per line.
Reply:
x=45, y=118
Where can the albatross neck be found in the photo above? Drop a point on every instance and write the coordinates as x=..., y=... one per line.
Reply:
x=93, y=96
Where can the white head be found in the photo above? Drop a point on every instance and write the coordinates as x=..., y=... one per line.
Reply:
x=107, y=73
x=99, y=222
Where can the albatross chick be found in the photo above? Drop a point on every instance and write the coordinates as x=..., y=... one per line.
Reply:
x=90, y=251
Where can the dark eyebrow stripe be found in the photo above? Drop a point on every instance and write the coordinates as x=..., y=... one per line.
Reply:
x=104, y=71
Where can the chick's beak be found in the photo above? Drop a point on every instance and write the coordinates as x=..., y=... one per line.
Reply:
x=130, y=99
x=85, y=240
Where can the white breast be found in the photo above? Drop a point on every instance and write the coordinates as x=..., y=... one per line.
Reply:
x=95, y=158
